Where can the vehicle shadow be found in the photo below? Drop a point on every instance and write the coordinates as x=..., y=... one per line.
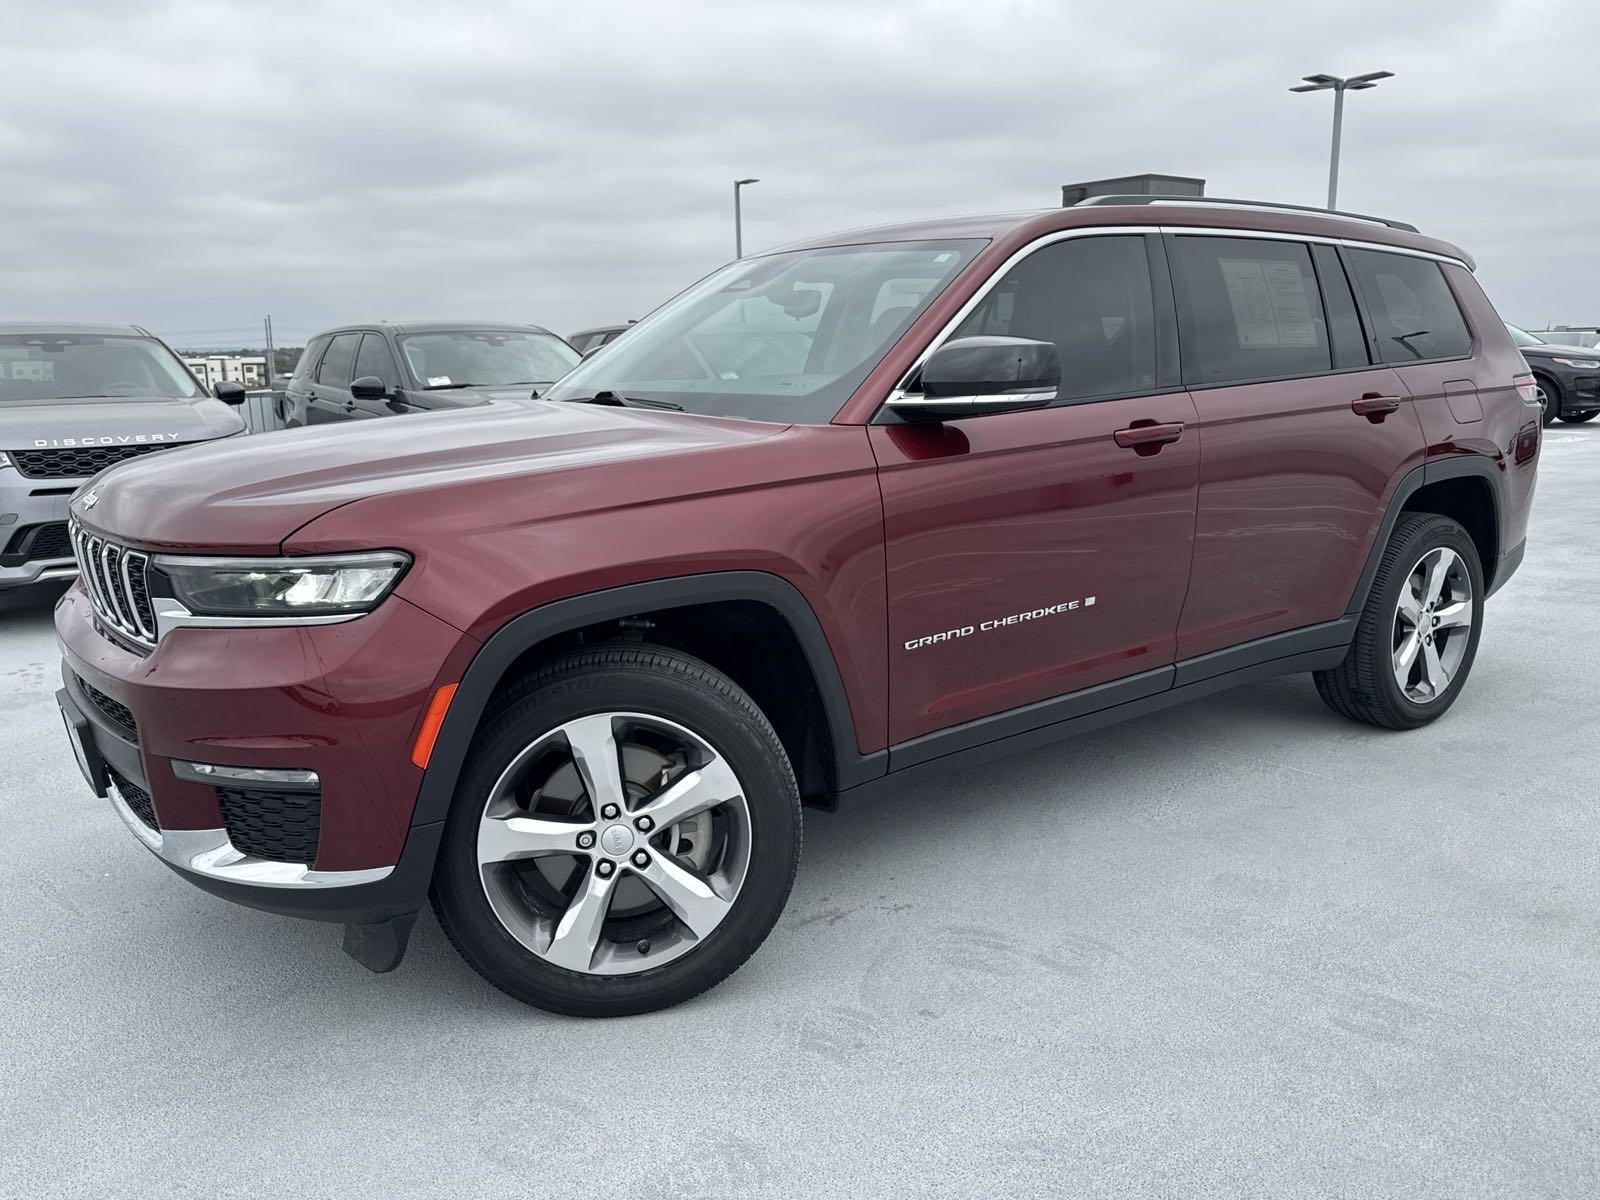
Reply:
x=25, y=608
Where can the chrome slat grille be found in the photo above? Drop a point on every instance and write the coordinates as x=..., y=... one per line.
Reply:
x=114, y=577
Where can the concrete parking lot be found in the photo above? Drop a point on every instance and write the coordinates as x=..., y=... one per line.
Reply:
x=1239, y=948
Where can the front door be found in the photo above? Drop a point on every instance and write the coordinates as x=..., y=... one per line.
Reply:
x=330, y=387
x=375, y=360
x=1039, y=553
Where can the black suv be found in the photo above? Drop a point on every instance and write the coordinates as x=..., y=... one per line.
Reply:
x=385, y=370
x=1568, y=377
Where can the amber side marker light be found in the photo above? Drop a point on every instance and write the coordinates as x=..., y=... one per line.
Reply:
x=422, y=748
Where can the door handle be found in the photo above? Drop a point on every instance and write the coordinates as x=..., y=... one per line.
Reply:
x=1148, y=438
x=1375, y=406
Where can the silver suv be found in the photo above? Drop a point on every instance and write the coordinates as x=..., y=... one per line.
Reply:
x=73, y=400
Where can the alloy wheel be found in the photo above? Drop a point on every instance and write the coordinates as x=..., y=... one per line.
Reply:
x=614, y=843
x=1432, y=625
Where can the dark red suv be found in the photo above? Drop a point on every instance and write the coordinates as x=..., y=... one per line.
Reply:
x=873, y=504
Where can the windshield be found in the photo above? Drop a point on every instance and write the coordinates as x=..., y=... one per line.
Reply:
x=1522, y=337
x=785, y=337
x=486, y=358
x=59, y=366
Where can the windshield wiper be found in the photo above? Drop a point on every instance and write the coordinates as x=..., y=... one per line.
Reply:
x=618, y=400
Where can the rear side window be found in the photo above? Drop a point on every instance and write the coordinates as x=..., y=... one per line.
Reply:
x=309, y=356
x=1248, y=309
x=335, y=368
x=1414, y=314
x=1091, y=297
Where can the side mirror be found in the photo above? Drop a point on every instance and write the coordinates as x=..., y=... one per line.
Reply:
x=229, y=392
x=369, y=387
x=972, y=376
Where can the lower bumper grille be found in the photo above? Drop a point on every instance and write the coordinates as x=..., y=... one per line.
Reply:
x=137, y=799
x=119, y=714
x=37, y=543
x=279, y=826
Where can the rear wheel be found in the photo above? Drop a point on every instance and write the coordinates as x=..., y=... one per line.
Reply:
x=1418, y=634
x=624, y=837
x=1548, y=394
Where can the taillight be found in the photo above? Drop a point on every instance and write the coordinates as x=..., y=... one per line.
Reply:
x=1527, y=388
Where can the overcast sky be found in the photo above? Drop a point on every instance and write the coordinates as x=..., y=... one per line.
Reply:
x=193, y=166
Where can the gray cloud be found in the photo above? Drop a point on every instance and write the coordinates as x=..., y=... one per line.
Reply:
x=193, y=166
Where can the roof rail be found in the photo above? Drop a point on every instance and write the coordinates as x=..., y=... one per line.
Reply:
x=1267, y=205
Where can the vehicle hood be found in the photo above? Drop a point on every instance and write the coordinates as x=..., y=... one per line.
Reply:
x=247, y=495
x=49, y=424
x=1556, y=350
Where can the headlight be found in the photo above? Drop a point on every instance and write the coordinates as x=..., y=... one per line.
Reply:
x=325, y=585
x=1579, y=364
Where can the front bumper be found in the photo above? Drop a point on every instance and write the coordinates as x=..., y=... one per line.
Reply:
x=341, y=700
x=29, y=509
x=1580, y=391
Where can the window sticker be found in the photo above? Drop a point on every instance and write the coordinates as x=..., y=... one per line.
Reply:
x=438, y=381
x=1271, y=306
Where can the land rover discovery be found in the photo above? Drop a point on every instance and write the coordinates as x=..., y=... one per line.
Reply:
x=858, y=509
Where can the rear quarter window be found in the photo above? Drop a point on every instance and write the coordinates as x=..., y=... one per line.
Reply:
x=1415, y=317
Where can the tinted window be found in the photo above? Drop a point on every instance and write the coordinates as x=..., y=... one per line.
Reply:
x=308, y=357
x=1248, y=309
x=374, y=359
x=1090, y=297
x=336, y=363
x=1414, y=314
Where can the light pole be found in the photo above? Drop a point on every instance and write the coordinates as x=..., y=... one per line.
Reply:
x=738, y=220
x=1356, y=83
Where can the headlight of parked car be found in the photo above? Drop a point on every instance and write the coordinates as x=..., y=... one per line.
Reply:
x=323, y=585
x=1579, y=364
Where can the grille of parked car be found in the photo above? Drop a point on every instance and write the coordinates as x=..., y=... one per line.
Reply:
x=136, y=798
x=114, y=577
x=76, y=462
x=115, y=711
x=37, y=543
x=280, y=826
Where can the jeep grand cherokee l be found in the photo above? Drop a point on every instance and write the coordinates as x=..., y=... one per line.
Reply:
x=858, y=509
x=75, y=399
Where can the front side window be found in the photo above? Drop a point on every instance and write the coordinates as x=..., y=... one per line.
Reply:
x=335, y=369
x=486, y=358
x=374, y=360
x=1414, y=315
x=783, y=337
x=55, y=366
x=1091, y=298
x=1248, y=309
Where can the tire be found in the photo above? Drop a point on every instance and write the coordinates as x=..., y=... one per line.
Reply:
x=1365, y=686
x=1549, y=397
x=1580, y=418
x=667, y=721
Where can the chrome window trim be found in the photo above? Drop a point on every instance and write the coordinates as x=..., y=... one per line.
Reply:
x=208, y=852
x=972, y=403
x=898, y=392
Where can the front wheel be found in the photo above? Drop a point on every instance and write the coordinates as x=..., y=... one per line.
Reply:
x=1580, y=418
x=1549, y=397
x=625, y=834
x=1418, y=633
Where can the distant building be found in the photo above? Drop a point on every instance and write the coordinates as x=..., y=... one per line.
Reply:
x=212, y=369
x=1132, y=185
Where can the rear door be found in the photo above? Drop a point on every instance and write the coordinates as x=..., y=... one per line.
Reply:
x=330, y=386
x=1035, y=554
x=375, y=360
x=1305, y=436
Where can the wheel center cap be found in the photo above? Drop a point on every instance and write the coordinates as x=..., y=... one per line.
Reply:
x=617, y=840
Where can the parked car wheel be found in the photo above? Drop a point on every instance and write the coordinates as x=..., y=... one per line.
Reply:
x=1418, y=634
x=625, y=835
x=1580, y=418
x=1549, y=395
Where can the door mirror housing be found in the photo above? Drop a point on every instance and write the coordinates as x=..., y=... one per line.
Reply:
x=229, y=392
x=369, y=387
x=971, y=376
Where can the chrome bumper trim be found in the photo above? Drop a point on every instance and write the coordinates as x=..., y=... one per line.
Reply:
x=208, y=852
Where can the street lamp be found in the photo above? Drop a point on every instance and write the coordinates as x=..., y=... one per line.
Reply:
x=738, y=220
x=1356, y=83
